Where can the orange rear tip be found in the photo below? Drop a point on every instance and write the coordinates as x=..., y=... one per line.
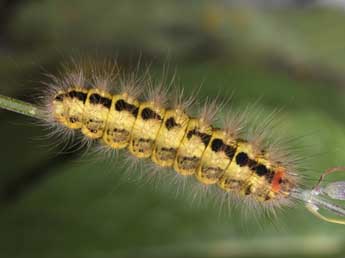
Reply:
x=277, y=180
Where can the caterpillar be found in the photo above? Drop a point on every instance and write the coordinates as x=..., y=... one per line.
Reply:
x=169, y=137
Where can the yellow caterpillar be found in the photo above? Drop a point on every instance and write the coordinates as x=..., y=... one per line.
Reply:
x=258, y=174
x=169, y=137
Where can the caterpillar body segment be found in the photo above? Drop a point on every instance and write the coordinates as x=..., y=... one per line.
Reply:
x=171, y=138
x=76, y=102
x=216, y=158
x=121, y=118
x=96, y=110
x=69, y=107
x=193, y=145
x=146, y=126
x=262, y=185
x=58, y=109
x=252, y=174
x=238, y=172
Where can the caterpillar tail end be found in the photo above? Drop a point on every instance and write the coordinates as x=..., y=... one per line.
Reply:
x=321, y=198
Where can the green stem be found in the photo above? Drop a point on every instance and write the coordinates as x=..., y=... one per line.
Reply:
x=20, y=107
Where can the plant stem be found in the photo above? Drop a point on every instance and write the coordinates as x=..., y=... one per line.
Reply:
x=20, y=107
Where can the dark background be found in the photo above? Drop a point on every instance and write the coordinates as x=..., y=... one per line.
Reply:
x=288, y=54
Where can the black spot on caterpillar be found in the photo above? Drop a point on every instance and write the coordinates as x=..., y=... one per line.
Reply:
x=123, y=105
x=205, y=138
x=218, y=145
x=148, y=113
x=170, y=123
x=79, y=95
x=97, y=99
x=242, y=159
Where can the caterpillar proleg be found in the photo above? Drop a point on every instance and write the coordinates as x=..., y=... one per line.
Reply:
x=170, y=137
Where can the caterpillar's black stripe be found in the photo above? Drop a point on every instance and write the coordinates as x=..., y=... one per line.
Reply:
x=72, y=94
x=230, y=151
x=77, y=94
x=171, y=123
x=261, y=170
x=123, y=105
x=242, y=160
x=59, y=97
x=205, y=138
x=218, y=145
x=148, y=113
x=98, y=99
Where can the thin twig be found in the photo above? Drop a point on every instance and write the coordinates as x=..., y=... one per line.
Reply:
x=20, y=107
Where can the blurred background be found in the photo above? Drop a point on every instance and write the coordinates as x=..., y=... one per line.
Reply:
x=290, y=54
